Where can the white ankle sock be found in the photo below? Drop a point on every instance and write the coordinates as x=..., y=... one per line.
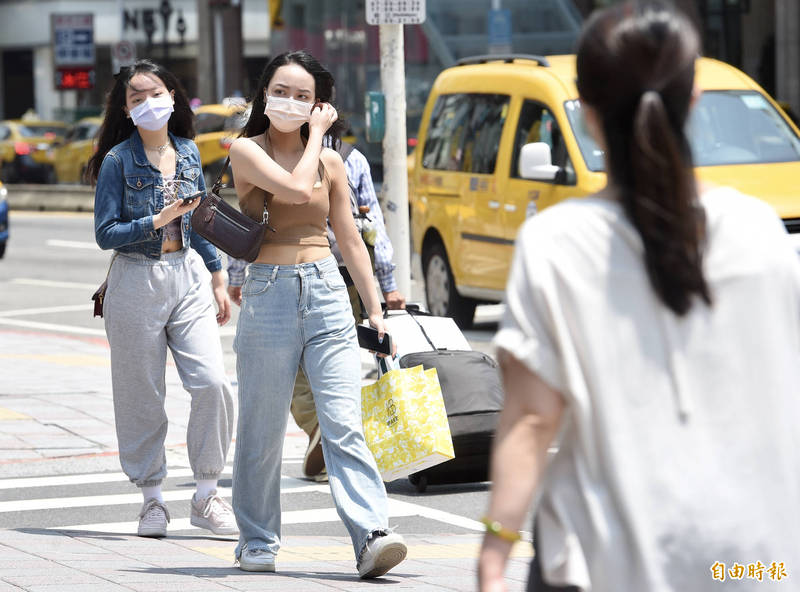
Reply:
x=205, y=487
x=154, y=491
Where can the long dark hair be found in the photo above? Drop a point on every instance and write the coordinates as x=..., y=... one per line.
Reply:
x=323, y=84
x=117, y=126
x=636, y=69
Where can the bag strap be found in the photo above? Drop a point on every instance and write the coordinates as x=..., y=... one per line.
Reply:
x=218, y=183
x=421, y=328
x=345, y=148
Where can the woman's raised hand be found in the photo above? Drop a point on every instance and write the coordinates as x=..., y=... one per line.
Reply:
x=322, y=116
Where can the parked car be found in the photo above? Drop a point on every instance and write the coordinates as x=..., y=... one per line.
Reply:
x=217, y=126
x=3, y=219
x=24, y=147
x=502, y=139
x=71, y=154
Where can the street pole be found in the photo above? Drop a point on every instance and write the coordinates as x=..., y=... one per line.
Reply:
x=395, y=172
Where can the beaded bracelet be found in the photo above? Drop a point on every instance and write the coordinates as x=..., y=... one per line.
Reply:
x=494, y=527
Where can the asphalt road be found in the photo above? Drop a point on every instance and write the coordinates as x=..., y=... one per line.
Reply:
x=52, y=266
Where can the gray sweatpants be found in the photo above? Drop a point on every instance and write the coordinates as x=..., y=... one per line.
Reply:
x=152, y=305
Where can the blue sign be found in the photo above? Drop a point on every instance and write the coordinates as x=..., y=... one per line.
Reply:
x=500, y=28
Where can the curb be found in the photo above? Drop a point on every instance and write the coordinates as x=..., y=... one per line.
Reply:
x=66, y=198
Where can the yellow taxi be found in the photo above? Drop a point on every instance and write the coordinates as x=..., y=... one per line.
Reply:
x=72, y=154
x=502, y=139
x=217, y=125
x=24, y=145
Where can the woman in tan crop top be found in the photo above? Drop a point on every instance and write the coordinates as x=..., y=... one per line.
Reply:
x=295, y=310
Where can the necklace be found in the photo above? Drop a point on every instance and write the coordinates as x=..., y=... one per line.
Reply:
x=160, y=149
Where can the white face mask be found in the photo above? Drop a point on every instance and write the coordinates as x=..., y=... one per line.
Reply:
x=153, y=113
x=286, y=114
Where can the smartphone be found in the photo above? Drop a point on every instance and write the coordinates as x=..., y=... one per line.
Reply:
x=191, y=197
x=368, y=339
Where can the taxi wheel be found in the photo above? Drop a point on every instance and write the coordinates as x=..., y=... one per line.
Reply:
x=440, y=289
x=2, y=249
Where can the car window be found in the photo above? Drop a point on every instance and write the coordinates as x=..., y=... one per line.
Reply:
x=4, y=132
x=35, y=129
x=724, y=128
x=464, y=132
x=739, y=128
x=235, y=122
x=538, y=124
x=209, y=122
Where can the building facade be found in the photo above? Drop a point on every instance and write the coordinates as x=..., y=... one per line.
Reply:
x=210, y=45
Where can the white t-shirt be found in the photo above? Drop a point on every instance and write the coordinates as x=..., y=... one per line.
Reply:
x=680, y=446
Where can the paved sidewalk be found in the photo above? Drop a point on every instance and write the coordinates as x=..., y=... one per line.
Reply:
x=56, y=418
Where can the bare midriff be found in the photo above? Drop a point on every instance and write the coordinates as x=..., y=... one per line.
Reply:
x=278, y=254
x=170, y=246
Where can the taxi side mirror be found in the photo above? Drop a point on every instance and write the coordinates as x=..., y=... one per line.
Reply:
x=536, y=162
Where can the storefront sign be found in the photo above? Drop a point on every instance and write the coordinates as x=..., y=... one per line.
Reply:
x=73, y=50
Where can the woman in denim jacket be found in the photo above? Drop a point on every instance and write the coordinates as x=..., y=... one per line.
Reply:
x=148, y=176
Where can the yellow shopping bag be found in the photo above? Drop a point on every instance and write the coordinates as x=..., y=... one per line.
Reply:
x=405, y=422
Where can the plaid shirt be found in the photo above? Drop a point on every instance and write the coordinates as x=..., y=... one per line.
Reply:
x=358, y=172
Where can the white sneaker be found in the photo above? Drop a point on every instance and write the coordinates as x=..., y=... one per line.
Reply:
x=256, y=560
x=213, y=513
x=381, y=553
x=153, y=519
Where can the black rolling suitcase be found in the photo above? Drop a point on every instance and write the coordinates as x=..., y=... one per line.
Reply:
x=473, y=397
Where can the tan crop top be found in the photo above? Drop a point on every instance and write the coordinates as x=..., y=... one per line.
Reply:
x=295, y=224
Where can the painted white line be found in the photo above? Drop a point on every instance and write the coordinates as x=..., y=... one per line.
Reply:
x=289, y=517
x=53, y=242
x=54, y=284
x=288, y=485
x=52, y=327
x=55, y=480
x=51, y=309
x=398, y=508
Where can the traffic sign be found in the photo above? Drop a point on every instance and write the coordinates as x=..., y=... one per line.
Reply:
x=499, y=31
x=73, y=40
x=124, y=52
x=395, y=12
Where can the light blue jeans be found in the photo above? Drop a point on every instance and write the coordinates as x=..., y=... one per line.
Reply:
x=290, y=315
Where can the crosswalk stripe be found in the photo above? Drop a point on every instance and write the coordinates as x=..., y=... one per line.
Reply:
x=53, y=480
x=288, y=485
x=288, y=517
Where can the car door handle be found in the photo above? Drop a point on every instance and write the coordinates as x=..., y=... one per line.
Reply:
x=443, y=192
x=494, y=205
x=510, y=208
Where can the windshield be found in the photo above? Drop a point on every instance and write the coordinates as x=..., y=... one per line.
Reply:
x=725, y=127
x=33, y=130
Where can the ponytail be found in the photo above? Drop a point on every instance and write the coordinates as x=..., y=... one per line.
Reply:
x=635, y=67
x=660, y=199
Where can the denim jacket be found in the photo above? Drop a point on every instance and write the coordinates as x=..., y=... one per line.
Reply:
x=129, y=194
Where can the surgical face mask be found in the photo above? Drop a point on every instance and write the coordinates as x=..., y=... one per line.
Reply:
x=286, y=114
x=153, y=113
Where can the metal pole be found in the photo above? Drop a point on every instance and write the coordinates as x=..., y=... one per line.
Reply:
x=219, y=56
x=395, y=173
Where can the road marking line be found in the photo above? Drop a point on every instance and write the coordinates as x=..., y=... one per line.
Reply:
x=62, y=359
x=53, y=284
x=47, y=310
x=288, y=517
x=53, y=327
x=288, y=485
x=55, y=480
x=54, y=242
x=305, y=554
x=8, y=414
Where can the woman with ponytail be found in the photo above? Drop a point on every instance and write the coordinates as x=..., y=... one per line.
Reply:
x=654, y=326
